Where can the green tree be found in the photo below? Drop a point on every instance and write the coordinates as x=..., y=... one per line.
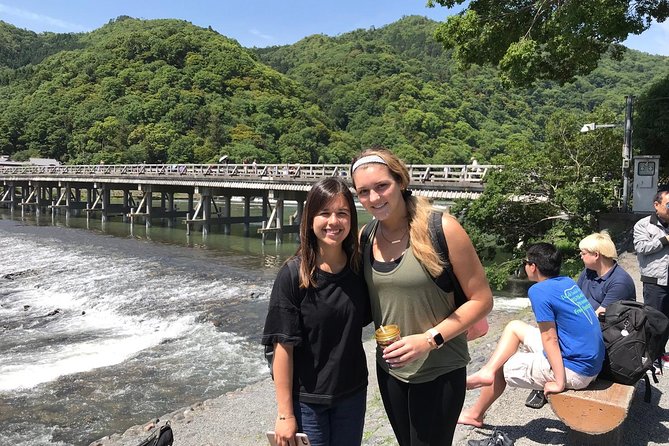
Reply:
x=553, y=192
x=651, y=124
x=556, y=40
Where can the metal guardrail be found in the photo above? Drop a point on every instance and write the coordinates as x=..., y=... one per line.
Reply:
x=437, y=174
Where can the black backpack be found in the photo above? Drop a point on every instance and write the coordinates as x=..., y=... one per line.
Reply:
x=446, y=280
x=634, y=336
x=161, y=436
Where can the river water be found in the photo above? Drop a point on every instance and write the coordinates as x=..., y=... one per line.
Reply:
x=103, y=328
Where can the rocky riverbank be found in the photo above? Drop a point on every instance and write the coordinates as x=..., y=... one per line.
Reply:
x=242, y=417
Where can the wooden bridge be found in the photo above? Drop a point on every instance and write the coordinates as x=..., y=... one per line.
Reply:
x=90, y=188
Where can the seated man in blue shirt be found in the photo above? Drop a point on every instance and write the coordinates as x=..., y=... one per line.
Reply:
x=603, y=281
x=566, y=350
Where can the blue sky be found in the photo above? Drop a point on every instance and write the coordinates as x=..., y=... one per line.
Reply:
x=251, y=22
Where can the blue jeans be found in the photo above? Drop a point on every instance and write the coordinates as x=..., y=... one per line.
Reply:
x=338, y=425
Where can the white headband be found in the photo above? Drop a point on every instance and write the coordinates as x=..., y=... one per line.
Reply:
x=367, y=160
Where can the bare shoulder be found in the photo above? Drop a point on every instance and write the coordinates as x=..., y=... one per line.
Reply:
x=453, y=230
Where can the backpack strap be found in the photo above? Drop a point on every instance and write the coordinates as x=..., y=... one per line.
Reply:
x=441, y=246
x=366, y=233
x=646, y=395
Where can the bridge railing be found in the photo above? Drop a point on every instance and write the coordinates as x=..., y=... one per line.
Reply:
x=420, y=173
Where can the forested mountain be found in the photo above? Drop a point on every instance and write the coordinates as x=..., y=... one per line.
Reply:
x=168, y=91
x=157, y=91
x=19, y=47
x=397, y=86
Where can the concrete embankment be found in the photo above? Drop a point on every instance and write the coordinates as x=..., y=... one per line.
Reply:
x=242, y=417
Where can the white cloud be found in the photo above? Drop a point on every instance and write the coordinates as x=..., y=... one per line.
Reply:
x=48, y=22
x=257, y=33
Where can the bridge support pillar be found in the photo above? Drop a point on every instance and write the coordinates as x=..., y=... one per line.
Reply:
x=106, y=202
x=12, y=197
x=206, y=210
x=89, y=198
x=190, y=203
x=247, y=214
x=279, y=221
x=149, y=206
x=39, y=198
x=227, y=213
x=265, y=204
x=171, y=210
x=127, y=200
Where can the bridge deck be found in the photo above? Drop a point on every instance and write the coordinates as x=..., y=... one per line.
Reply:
x=435, y=181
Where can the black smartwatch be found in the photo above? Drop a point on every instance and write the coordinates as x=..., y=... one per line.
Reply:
x=436, y=337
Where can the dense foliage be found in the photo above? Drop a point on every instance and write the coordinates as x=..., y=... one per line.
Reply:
x=555, y=40
x=398, y=87
x=167, y=91
x=20, y=47
x=157, y=91
x=552, y=192
x=651, y=134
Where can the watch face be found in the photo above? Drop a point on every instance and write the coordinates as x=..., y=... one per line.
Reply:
x=438, y=339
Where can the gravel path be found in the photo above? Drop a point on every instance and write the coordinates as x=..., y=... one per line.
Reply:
x=242, y=417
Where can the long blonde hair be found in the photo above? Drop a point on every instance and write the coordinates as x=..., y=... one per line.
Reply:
x=418, y=211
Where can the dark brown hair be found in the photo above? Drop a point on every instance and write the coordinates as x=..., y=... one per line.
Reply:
x=318, y=197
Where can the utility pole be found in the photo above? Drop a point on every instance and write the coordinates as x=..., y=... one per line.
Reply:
x=627, y=151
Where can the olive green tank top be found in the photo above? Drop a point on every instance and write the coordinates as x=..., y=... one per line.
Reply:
x=407, y=296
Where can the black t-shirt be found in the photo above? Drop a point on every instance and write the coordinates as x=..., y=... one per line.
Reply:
x=324, y=324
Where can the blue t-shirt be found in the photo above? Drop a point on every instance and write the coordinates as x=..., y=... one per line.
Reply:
x=561, y=301
x=615, y=285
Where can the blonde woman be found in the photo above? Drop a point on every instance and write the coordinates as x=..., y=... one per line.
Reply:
x=603, y=281
x=422, y=376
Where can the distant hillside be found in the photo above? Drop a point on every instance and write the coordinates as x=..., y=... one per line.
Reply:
x=157, y=91
x=168, y=91
x=20, y=47
x=396, y=85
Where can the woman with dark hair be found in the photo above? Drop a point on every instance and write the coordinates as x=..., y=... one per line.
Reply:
x=422, y=376
x=317, y=309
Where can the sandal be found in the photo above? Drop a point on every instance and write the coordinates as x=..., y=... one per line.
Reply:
x=497, y=438
x=536, y=399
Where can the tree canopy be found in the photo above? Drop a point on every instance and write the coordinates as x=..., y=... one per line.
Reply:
x=168, y=91
x=651, y=134
x=552, y=39
x=155, y=91
x=548, y=193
